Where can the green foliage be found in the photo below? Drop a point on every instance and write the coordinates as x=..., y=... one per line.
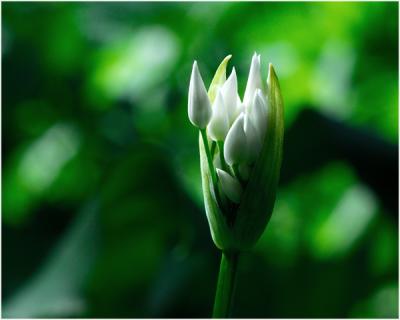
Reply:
x=94, y=99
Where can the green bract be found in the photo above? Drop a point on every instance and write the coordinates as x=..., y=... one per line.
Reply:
x=239, y=226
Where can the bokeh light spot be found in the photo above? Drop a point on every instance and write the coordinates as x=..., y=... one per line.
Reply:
x=44, y=159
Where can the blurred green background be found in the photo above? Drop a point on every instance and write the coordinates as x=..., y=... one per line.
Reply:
x=102, y=212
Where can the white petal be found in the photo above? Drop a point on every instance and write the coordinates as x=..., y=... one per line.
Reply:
x=219, y=124
x=259, y=113
x=230, y=186
x=254, y=81
x=238, y=101
x=229, y=93
x=239, y=109
x=235, y=142
x=199, y=107
x=253, y=139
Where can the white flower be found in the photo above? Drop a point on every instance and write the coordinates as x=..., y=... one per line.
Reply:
x=254, y=81
x=219, y=124
x=235, y=149
x=199, y=107
x=240, y=107
x=230, y=186
x=259, y=113
x=253, y=140
x=231, y=98
x=238, y=126
x=239, y=171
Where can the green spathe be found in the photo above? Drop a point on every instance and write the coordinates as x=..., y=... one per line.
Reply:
x=257, y=201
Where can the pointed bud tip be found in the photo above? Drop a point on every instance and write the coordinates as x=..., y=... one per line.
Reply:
x=195, y=68
x=271, y=74
x=256, y=57
x=271, y=68
x=230, y=186
x=232, y=76
x=226, y=59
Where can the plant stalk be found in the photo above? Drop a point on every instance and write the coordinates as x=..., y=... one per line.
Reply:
x=235, y=168
x=209, y=157
x=210, y=164
x=226, y=285
x=221, y=155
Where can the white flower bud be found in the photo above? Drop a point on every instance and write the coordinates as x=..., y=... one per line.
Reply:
x=252, y=139
x=239, y=108
x=230, y=186
x=219, y=124
x=235, y=143
x=259, y=113
x=199, y=107
x=238, y=227
x=230, y=95
x=254, y=81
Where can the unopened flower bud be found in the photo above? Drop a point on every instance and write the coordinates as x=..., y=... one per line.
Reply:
x=230, y=95
x=219, y=124
x=239, y=108
x=230, y=186
x=254, y=81
x=259, y=113
x=199, y=107
x=236, y=143
x=252, y=150
x=253, y=140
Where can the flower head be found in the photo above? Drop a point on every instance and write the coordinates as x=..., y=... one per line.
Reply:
x=241, y=171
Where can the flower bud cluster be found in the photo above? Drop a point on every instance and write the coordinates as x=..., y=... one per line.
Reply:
x=237, y=127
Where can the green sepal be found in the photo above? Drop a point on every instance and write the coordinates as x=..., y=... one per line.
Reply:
x=220, y=232
x=219, y=79
x=259, y=196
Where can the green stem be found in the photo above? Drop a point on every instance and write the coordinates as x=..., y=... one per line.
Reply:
x=235, y=168
x=209, y=158
x=221, y=155
x=213, y=146
x=211, y=166
x=226, y=285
